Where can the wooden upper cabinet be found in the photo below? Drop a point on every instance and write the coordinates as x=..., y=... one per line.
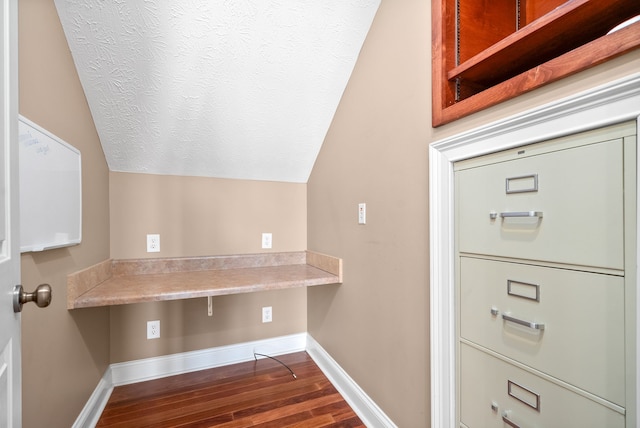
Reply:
x=488, y=51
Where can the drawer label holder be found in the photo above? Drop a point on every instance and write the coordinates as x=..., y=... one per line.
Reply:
x=521, y=184
x=523, y=290
x=524, y=395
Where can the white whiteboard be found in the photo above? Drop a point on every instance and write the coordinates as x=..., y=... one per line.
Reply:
x=50, y=190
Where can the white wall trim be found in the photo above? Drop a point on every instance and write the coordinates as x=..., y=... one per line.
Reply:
x=91, y=412
x=611, y=103
x=169, y=365
x=360, y=402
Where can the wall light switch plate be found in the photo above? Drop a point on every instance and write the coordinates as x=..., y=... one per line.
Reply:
x=362, y=213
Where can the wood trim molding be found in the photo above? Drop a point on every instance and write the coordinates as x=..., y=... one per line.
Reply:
x=608, y=104
x=582, y=58
x=445, y=110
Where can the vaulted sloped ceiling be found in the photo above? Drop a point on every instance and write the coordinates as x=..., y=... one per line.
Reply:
x=218, y=88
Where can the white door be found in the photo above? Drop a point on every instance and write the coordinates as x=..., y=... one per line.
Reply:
x=10, y=385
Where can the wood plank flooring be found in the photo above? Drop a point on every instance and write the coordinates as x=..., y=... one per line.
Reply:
x=259, y=393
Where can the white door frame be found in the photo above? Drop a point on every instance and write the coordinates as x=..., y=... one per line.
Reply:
x=611, y=103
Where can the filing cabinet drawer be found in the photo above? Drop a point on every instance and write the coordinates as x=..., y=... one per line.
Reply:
x=564, y=206
x=492, y=389
x=567, y=324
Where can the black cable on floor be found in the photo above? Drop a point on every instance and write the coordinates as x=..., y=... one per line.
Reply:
x=275, y=359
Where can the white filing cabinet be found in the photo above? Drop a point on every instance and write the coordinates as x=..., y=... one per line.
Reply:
x=545, y=283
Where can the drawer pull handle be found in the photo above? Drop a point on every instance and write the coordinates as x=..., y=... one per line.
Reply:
x=506, y=420
x=494, y=215
x=533, y=325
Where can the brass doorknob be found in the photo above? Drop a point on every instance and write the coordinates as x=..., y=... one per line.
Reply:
x=41, y=297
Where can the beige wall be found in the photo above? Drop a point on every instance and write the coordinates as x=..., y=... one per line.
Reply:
x=64, y=353
x=198, y=216
x=204, y=216
x=376, y=324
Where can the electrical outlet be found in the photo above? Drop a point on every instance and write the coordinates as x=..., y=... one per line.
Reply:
x=267, y=240
x=267, y=314
x=153, y=243
x=153, y=329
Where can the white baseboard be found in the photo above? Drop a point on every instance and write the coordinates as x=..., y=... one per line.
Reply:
x=91, y=412
x=360, y=402
x=169, y=365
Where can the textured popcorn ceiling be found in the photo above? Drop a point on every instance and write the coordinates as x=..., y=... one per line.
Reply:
x=220, y=88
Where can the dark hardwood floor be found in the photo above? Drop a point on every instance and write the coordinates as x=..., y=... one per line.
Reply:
x=259, y=393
